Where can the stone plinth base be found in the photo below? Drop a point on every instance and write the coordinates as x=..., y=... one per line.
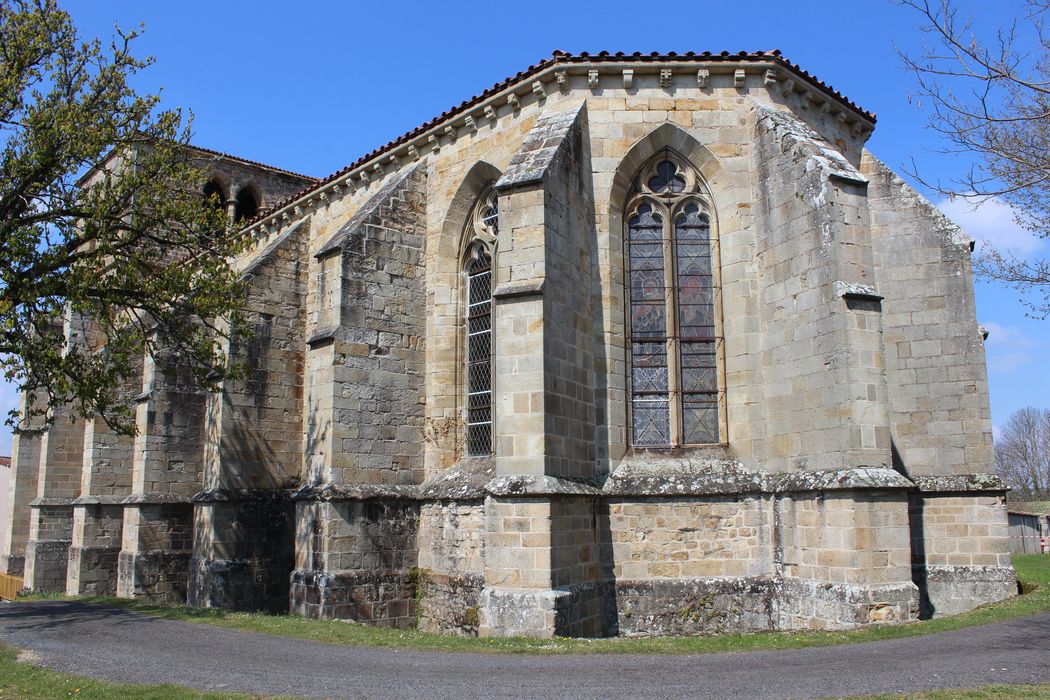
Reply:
x=806, y=604
x=47, y=550
x=381, y=598
x=950, y=590
x=575, y=611
x=92, y=570
x=754, y=604
x=95, y=548
x=691, y=606
x=158, y=543
x=156, y=577
x=46, y=562
x=450, y=604
x=12, y=564
x=244, y=551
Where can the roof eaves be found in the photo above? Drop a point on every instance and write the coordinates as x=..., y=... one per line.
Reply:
x=561, y=58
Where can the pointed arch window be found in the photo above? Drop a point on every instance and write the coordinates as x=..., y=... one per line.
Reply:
x=673, y=319
x=478, y=267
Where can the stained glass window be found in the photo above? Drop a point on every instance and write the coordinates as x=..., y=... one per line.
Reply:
x=671, y=301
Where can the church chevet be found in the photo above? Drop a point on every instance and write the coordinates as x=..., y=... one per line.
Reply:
x=627, y=344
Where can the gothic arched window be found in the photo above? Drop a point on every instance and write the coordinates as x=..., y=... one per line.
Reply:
x=478, y=267
x=672, y=301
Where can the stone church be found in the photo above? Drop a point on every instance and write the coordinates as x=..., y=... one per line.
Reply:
x=624, y=345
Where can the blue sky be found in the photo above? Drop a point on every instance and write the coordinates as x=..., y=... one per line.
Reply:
x=311, y=86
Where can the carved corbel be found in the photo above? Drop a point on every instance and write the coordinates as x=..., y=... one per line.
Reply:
x=413, y=152
x=450, y=132
x=787, y=87
x=592, y=79
x=471, y=124
x=562, y=79
x=739, y=76
x=432, y=141
x=703, y=77
x=490, y=113
x=771, y=78
x=665, y=78
x=628, y=78
x=513, y=101
x=537, y=87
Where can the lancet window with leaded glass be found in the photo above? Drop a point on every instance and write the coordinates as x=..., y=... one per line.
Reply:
x=672, y=301
x=478, y=268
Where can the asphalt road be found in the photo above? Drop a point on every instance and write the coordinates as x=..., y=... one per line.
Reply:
x=123, y=646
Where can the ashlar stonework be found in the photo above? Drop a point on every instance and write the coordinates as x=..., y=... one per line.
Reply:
x=625, y=345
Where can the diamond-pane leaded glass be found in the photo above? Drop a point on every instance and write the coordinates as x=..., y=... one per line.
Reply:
x=479, y=354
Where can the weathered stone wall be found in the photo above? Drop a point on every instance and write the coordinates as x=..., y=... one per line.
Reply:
x=662, y=538
x=451, y=565
x=960, y=550
x=846, y=537
x=938, y=389
x=355, y=560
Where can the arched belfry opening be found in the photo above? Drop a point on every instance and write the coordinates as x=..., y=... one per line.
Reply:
x=247, y=205
x=214, y=194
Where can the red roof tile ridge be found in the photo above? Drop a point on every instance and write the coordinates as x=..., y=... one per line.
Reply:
x=246, y=161
x=561, y=57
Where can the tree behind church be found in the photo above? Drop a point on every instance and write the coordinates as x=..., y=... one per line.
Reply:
x=139, y=251
x=1022, y=452
x=991, y=103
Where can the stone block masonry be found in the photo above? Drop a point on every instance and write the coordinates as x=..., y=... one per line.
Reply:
x=719, y=369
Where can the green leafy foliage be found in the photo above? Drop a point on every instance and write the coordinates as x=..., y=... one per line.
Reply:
x=108, y=249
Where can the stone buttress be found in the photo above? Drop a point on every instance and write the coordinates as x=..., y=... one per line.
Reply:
x=356, y=520
x=244, y=527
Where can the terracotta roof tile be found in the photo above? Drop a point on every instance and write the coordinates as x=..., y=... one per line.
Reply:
x=566, y=58
x=253, y=163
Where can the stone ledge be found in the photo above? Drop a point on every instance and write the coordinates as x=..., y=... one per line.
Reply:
x=464, y=481
x=725, y=477
x=683, y=478
x=970, y=574
x=232, y=495
x=99, y=501
x=856, y=290
x=156, y=499
x=355, y=492
x=838, y=480
x=322, y=335
x=522, y=288
x=539, y=485
x=959, y=483
x=50, y=501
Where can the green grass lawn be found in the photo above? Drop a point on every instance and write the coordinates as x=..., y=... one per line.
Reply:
x=1032, y=570
x=19, y=679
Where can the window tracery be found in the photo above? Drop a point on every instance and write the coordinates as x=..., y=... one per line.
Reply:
x=483, y=227
x=672, y=298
